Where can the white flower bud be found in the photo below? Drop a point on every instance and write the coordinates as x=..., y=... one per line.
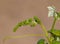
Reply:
x=51, y=11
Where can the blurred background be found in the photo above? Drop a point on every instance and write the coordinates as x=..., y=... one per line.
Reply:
x=14, y=11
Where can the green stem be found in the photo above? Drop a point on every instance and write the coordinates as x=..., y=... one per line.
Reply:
x=45, y=31
x=54, y=23
x=43, y=27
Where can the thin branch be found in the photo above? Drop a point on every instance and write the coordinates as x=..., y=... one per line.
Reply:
x=22, y=36
x=54, y=23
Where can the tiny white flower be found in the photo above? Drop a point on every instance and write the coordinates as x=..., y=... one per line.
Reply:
x=51, y=11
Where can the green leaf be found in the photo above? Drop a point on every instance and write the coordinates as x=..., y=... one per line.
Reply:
x=55, y=42
x=37, y=19
x=41, y=41
x=55, y=32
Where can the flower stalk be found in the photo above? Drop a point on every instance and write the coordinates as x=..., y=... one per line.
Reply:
x=46, y=32
x=55, y=19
